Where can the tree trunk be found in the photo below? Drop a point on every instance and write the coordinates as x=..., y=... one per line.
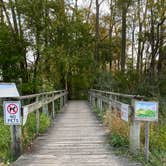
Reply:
x=123, y=51
x=152, y=41
x=161, y=52
x=133, y=43
x=139, y=37
x=97, y=34
x=110, y=32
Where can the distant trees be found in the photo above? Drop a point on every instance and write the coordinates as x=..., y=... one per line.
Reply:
x=47, y=44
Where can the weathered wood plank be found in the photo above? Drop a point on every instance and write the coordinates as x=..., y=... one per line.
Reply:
x=77, y=138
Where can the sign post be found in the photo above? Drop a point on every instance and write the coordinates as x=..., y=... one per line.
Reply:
x=146, y=111
x=12, y=116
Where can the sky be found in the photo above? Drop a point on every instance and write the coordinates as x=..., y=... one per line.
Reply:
x=104, y=7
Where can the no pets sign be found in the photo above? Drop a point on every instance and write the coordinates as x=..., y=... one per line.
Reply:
x=12, y=112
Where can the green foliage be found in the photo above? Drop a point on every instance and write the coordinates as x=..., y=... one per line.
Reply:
x=9, y=55
x=5, y=141
x=29, y=130
x=44, y=123
x=117, y=140
x=98, y=112
x=122, y=82
x=158, y=138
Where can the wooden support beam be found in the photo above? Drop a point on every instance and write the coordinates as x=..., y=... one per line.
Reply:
x=134, y=134
x=135, y=137
x=53, y=107
x=16, y=141
x=37, y=118
x=45, y=106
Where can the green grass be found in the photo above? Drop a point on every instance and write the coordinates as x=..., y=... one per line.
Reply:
x=28, y=134
x=29, y=130
x=5, y=141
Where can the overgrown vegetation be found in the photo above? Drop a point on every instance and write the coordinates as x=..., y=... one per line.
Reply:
x=118, y=137
x=28, y=131
x=4, y=141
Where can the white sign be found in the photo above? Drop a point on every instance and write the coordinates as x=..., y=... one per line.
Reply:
x=125, y=112
x=12, y=112
x=8, y=90
x=25, y=115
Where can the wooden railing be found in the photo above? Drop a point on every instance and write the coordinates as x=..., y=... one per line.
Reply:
x=115, y=100
x=35, y=103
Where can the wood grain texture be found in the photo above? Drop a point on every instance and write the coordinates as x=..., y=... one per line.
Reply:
x=76, y=138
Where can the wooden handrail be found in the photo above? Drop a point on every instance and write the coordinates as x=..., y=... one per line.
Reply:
x=41, y=101
x=38, y=94
x=38, y=104
x=98, y=97
x=118, y=94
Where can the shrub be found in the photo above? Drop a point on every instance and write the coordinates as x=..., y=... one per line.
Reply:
x=5, y=141
x=29, y=130
x=118, y=140
x=44, y=123
x=158, y=138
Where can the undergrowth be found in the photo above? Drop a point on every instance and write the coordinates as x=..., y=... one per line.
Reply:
x=29, y=130
x=5, y=141
x=118, y=138
x=28, y=134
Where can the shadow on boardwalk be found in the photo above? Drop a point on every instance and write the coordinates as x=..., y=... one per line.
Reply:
x=76, y=139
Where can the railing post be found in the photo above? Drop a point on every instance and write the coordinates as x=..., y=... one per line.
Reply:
x=134, y=135
x=16, y=141
x=93, y=100
x=90, y=98
x=99, y=103
x=37, y=118
x=61, y=102
x=45, y=107
x=65, y=98
x=53, y=107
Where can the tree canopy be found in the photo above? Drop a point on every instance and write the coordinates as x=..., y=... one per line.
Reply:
x=52, y=44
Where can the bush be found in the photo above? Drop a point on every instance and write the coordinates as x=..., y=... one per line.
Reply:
x=158, y=138
x=119, y=130
x=44, y=123
x=5, y=141
x=117, y=140
x=29, y=130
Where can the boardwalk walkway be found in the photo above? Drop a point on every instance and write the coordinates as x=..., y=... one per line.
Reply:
x=76, y=139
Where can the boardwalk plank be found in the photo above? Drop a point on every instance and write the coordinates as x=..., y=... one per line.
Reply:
x=76, y=138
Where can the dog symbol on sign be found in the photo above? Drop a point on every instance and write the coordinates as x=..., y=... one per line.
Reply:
x=12, y=108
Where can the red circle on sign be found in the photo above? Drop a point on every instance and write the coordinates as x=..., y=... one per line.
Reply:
x=12, y=108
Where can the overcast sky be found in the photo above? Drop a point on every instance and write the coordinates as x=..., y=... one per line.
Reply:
x=104, y=7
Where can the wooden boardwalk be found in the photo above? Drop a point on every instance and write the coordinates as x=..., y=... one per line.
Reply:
x=76, y=139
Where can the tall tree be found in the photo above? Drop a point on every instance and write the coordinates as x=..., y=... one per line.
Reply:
x=97, y=35
x=124, y=5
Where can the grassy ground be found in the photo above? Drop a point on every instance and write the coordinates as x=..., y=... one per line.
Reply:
x=28, y=133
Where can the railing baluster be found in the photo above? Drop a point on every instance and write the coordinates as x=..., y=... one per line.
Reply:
x=37, y=118
x=53, y=107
